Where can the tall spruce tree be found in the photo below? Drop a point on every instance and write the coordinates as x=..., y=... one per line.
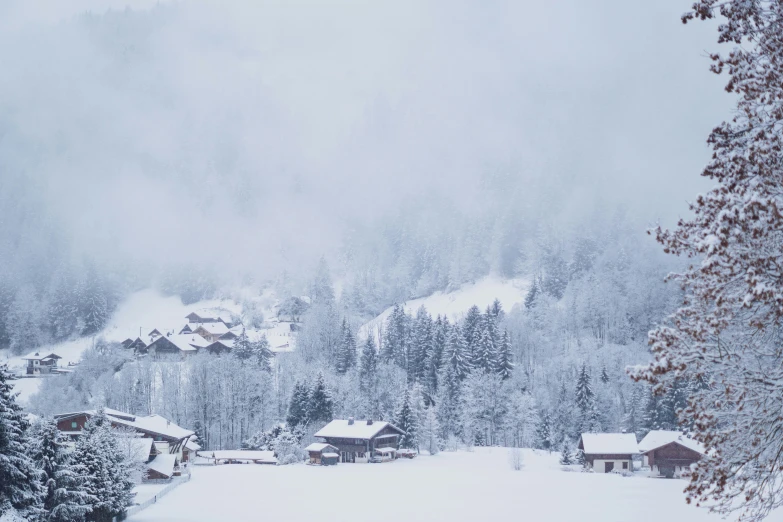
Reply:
x=321, y=402
x=107, y=475
x=346, y=357
x=299, y=407
x=20, y=480
x=261, y=353
x=457, y=354
x=242, y=349
x=406, y=420
x=503, y=364
x=64, y=497
x=544, y=432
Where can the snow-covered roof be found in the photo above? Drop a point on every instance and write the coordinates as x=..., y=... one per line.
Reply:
x=319, y=446
x=386, y=450
x=657, y=438
x=212, y=328
x=192, y=445
x=185, y=342
x=155, y=424
x=214, y=315
x=265, y=456
x=340, y=428
x=36, y=356
x=163, y=464
x=609, y=443
x=140, y=448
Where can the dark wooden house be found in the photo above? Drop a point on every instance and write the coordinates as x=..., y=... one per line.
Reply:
x=605, y=452
x=358, y=440
x=176, y=344
x=669, y=453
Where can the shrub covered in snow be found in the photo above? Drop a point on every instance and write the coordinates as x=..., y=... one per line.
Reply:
x=516, y=459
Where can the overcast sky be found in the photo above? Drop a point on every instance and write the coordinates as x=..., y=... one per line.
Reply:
x=276, y=122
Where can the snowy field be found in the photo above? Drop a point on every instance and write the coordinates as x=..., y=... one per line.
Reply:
x=453, y=487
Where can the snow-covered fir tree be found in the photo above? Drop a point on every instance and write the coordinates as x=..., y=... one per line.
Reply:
x=405, y=419
x=321, y=404
x=429, y=432
x=64, y=496
x=566, y=458
x=20, y=480
x=105, y=471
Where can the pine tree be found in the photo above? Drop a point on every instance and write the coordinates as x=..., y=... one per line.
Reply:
x=396, y=338
x=321, y=402
x=544, y=432
x=299, y=407
x=107, y=475
x=457, y=355
x=262, y=354
x=448, y=402
x=242, y=349
x=604, y=375
x=436, y=355
x=532, y=294
x=346, y=357
x=20, y=485
x=64, y=498
x=504, y=365
x=566, y=459
x=420, y=346
x=485, y=352
x=406, y=421
x=93, y=302
x=496, y=310
x=589, y=419
x=429, y=432
x=580, y=457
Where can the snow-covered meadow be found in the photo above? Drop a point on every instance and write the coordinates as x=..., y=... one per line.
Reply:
x=450, y=486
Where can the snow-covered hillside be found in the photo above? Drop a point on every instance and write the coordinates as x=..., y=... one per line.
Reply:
x=142, y=312
x=454, y=304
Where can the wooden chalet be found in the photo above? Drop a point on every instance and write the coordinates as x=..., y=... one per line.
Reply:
x=605, y=452
x=321, y=453
x=167, y=437
x=358, y=440
x=38, y=364
x=211, y=331
x=154, y=334
x=669, y=452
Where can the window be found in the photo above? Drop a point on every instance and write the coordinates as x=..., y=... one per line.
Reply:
x=74, y=425
x=625, y=465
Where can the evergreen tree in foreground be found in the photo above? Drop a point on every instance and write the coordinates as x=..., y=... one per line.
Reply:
x=20, y=486
x=504, y=366
x=262, y=354
x=107, y=475
x=64, y=497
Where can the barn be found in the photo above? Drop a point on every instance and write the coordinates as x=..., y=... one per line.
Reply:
x=605, y=452
x=670, y=452
x=358, y=440
x=321, y=453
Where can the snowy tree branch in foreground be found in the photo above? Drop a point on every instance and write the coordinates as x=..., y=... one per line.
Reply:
x=727, y=333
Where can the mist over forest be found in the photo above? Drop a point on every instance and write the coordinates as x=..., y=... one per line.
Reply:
x=346, y=184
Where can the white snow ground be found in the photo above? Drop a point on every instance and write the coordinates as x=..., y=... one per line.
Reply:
x=455, y=304
x=455, y=487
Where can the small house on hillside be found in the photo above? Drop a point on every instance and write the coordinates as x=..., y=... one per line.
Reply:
x=321, y=453
x=605, y=452
x=358, y=440
x=670, y=452
x=38, y=364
